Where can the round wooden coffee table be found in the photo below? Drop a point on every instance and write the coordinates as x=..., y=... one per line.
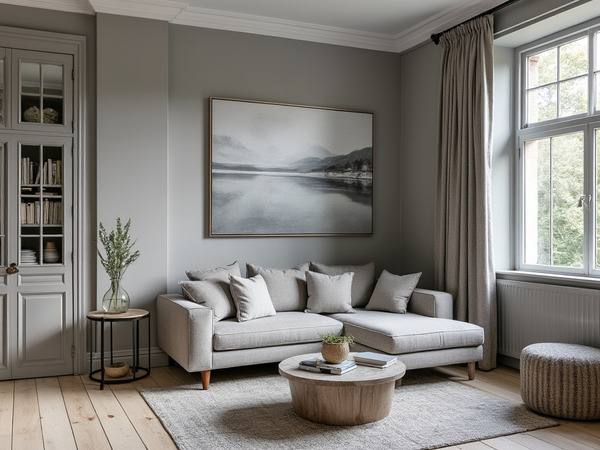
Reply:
x=360, y=396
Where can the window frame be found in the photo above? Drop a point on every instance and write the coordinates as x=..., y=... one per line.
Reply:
x=586, y=123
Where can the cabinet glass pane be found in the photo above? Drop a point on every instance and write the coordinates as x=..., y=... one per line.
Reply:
x=2, y=65
x=42, y=93
x=41, y=212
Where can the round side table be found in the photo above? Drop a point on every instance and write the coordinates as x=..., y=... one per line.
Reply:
x=131, y=315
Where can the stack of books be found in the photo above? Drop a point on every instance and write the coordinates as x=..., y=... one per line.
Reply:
x=373, y=359
x=320, y=365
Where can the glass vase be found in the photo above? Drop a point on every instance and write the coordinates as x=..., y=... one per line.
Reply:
x=116, y=299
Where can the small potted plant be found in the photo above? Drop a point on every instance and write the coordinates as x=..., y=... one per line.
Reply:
x=335, y=348
x=119, y=255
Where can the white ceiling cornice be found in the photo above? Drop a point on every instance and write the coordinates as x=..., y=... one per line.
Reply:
x=166, y=10
x=181, y=13
x=73, y=6
x=246, y=23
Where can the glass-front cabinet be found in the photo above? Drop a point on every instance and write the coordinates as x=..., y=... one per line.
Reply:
x=36, y=204
x=41, y=204
x=44, y=91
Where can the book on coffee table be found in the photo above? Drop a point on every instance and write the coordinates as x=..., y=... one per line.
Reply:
x=375, y=359
x=320, y=365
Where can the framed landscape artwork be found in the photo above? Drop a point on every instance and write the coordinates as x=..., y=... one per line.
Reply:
x=289, y=170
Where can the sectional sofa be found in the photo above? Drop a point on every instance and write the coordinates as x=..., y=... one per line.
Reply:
x=222, y=320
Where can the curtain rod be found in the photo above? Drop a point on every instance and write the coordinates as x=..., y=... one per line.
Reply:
x=436, y=36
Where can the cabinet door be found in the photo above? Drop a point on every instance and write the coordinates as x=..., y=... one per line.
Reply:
x=4, y=313
x=42, y=91
x=42, y=301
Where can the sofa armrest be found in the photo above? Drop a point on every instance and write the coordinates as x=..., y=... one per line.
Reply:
x=431, y=303
x=185, y=331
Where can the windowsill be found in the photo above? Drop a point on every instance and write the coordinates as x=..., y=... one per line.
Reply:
x=549, y=278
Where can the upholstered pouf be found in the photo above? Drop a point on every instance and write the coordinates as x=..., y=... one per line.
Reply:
x=561, y=380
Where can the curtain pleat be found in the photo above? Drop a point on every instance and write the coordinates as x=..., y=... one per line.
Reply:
x=463, y=234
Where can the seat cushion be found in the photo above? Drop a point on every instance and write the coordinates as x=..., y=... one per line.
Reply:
x=408, y=333
x=289, y=327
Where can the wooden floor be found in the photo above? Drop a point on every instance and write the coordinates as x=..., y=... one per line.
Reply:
x=72, y=412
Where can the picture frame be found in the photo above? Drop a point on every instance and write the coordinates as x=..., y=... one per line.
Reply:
x=278, y=169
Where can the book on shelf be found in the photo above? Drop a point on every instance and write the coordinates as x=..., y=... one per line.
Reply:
x=320, y=365
x=375, y=359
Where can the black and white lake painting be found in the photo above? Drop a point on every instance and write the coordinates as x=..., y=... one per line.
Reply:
x=280, y=169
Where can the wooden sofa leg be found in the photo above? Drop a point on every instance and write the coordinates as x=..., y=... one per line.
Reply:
x=205, y=376
x=471, y=370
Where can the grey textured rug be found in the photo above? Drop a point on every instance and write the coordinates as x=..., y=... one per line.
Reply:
x=246, y=409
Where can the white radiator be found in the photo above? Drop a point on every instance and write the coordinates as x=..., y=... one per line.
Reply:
x=530, y=312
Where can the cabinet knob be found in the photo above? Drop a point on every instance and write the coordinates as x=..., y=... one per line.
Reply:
x=12, y=269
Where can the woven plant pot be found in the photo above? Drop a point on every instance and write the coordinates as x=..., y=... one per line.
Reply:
x=335, y=353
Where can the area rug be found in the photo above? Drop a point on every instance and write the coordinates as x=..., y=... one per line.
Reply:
x=253, y=410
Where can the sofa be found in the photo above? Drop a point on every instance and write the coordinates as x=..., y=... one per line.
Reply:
x=222, y=319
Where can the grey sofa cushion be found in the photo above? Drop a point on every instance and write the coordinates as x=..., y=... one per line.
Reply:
x=407, y=333
x=219, y=273
x=285, y=328
x=362, y=283
x=287, y=288
x=329, y=293
x=251, y=298
x=214, y=294
x=392, y=292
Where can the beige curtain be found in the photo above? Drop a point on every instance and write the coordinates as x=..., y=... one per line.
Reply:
x=463, y=234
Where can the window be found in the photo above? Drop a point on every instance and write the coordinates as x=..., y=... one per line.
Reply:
x=559, y=155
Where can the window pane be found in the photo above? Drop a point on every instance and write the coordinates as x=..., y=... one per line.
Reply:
x=542, y=68
x=573, y=97
x=597, y=153
x=597, y=55
x=553, y=186
x=542, y=104
x=574, y=58
x=537, y=202
x=598, y=91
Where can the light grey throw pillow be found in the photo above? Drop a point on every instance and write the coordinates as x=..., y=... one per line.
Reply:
x=362, y=284
x=329, y=293
x=214, y=294
x=393, y=292
x=287, y=288
x=220, y=273
x=251, y=297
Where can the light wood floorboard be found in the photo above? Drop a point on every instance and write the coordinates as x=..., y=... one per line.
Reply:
x=72, y=412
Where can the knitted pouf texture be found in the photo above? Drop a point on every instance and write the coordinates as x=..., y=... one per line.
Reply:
x=561, y=380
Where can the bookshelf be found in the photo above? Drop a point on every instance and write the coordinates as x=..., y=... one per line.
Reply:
x=41, y=209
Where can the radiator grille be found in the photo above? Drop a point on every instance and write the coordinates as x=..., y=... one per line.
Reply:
x=530, y=312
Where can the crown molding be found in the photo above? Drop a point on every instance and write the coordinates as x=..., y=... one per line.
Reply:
x=165, y=10
x=179, y=12
x=73, y=6
x=246, y=23
x=421, y=32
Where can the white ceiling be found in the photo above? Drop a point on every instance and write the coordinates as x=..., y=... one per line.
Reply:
x=387, y=25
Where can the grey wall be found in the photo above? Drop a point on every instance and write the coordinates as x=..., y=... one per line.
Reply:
x=132, y=113
x=419, y=111
x=204, y=63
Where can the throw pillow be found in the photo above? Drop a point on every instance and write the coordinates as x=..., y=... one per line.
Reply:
x=251, y=297
x=393, y=292
x=329, y=293
x=362, y=284
x=220, y=273
x=214, y=294
x=287, y=288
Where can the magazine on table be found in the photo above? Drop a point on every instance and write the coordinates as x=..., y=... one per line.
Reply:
x=320, y=365
x=373, y=359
